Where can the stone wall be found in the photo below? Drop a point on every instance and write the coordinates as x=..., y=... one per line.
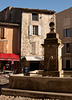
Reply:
x=63, y=22
x=27, y=40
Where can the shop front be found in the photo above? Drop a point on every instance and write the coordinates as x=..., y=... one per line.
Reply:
x=35, y=62
x=9, y=61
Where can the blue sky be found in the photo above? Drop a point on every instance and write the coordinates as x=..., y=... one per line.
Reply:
x=56, y=5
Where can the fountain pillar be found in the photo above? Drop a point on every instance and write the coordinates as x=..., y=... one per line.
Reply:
x=51, y=44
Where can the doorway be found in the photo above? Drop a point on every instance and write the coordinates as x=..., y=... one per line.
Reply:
x=34, y=65
x=67, y=64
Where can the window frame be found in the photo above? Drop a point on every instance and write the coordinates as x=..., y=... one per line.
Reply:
x=30, y=30
x=67, y=47
x=35, y=17
x=35, y=29
x=67, y=33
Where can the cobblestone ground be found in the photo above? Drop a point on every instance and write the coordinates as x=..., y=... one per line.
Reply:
x=3, y=97
x=4, y=81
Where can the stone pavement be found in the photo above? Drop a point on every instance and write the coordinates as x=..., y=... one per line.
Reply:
x=4, y=81
x=3, y=97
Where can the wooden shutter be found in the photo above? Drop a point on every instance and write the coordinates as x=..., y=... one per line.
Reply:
x=39, y=30
x=64, y=33
x=70, y=47
x=1, y=47
x=70, y=32
x=5, y=32
x=63, y=50
x=30, y=29
x=4, y=47
x=0, y=32
x=64, y=47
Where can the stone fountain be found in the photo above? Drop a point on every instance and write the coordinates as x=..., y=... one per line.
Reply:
x=50, y=85
x=52, y=54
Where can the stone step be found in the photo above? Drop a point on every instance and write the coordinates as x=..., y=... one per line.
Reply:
x=36, y=94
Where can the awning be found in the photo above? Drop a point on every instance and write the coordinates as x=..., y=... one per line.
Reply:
x=34, y=58
x=9, y=57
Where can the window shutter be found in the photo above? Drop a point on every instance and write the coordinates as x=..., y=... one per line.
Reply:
x=63, y=50
x=0, y=32
x=70, y=47
x=39, y=30
x=30, y=29
x=71, y=32
x=1, y=47
x=64, y=47
x=64, y=33
x=5, y=32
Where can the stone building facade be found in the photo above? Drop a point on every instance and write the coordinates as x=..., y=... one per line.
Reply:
x=33, y=33
x=9, y=46
x=34, y=25
x=64, y=28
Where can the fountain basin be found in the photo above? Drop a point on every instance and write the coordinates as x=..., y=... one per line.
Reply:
x=46, y=84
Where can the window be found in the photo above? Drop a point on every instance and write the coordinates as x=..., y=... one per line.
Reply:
x=34, y=16
x=67, y=64
x=67, y=33
x=2, y=33
x=35, y=30
x=67, y=47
